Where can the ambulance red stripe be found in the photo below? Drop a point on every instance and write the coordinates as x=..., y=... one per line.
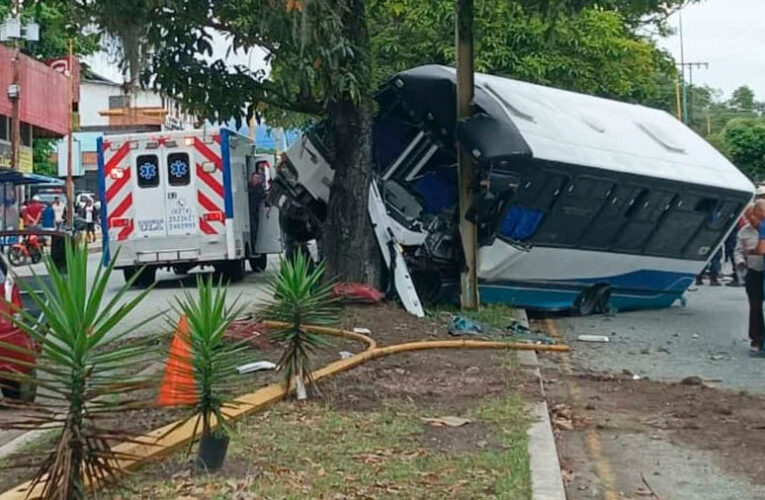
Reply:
x=121, y=209
x=118, y=157
x=208, y=153
x=118, y=184
x=125, y=232
x=209, y=180
x=207, y=203
x=206, y=227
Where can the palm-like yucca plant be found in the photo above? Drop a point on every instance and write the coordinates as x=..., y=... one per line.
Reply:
x=86, y=374
x=299, y=299
x=214, y=360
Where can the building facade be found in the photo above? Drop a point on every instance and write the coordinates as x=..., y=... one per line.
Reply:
x=43, y=105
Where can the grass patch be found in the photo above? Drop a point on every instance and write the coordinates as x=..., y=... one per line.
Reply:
x=314, y=451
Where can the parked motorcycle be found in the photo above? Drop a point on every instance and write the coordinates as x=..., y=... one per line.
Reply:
x=28, y=249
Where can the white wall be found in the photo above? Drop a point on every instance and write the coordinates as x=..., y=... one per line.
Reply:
x=94, y=98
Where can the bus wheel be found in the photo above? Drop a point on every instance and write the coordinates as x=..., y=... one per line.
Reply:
x=259, y=263
x=593, y=300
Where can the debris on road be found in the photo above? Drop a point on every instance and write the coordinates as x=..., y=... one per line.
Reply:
x=345, y=354
x=593, y=338
x=692, y=380
x=357, y=293
x=448, y=421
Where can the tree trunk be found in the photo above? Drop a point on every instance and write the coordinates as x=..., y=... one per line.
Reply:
x=349, y=245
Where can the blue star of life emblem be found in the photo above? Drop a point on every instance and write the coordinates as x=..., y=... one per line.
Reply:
x=178, y=168
x=147, y=171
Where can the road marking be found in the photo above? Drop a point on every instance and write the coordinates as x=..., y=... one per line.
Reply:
x=602, y=467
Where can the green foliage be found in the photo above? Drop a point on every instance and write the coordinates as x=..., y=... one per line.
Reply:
x=299, y=299
x=85, y=369
x=42, y=149
x=743, y=141
x=319, y=53
x=592, y=51
x=59, y=21
x=214, y=359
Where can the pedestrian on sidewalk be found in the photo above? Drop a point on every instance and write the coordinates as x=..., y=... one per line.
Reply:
x=751, y=266
x=89, y=213
x=58, y=210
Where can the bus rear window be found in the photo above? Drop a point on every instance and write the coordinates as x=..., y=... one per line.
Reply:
x=147, y=167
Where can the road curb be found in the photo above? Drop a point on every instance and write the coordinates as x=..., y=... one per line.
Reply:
x=546, y=480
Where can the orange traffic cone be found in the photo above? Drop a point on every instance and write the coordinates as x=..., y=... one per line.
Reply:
x=178, y=387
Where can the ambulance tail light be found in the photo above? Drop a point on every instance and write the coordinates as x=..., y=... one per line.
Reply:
x=208, y=167
x=171, y=143
x=188, y=141
x=152, y=145
x=117, y=173
x=119, y=222
x=216, y=216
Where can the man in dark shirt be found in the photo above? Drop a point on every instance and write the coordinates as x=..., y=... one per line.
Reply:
x=257, y=190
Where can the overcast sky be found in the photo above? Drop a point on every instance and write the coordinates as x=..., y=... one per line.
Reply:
x=730, y=36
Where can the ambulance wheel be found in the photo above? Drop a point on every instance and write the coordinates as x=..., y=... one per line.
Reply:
x=145, y=280
x=181, y=269
x=259, y=263
x=233, y=270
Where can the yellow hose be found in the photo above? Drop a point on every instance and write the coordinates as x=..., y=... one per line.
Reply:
x=168, y=438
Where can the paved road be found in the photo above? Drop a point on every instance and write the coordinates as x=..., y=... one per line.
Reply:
x=706, y=338
x=169, y=286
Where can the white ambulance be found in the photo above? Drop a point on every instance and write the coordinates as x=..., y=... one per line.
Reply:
x=182, y=199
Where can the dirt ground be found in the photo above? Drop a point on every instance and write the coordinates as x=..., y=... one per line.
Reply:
x=443, y=382
x=592, y=412
x=376, y=402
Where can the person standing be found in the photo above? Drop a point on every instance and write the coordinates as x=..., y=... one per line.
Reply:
x=58, y=212
x=33, y=213
x=751, y=266
x=89, y=214
x=48, y=218
x=257, y=195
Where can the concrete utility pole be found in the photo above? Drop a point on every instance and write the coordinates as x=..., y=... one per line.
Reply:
x=15, y=97
x=70, y=143
x=465, y=89
x=690, y=66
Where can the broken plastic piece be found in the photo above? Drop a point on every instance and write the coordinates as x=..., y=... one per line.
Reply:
x=345, y=354
x=255, y=367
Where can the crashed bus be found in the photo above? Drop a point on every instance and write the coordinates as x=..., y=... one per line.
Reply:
x=580, y=202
